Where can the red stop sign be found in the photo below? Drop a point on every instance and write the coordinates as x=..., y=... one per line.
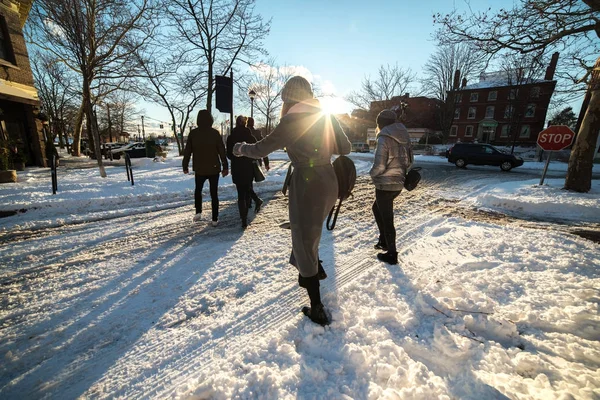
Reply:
x=556, y=137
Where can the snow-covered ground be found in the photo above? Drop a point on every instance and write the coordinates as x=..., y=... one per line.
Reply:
x=139, y=303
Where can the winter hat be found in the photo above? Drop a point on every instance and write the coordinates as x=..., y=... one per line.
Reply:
x=296, y=89
x=385, y=118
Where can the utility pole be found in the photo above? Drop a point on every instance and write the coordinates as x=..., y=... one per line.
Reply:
x=138, y=135
x=143, y=132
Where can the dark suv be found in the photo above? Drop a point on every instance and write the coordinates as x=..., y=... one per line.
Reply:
x=462, y=154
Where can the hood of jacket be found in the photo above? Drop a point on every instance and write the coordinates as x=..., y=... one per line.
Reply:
x=396, y=131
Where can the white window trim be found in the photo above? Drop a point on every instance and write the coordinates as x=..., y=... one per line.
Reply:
x=455, y=129
x=521, y=133
x=457, y=113
x=533, y=109
x=509, y=114
x=504, y=133
x=495, y=95
x=493, y=111
x=474, y=113
x=476, y=97
x=467, y=128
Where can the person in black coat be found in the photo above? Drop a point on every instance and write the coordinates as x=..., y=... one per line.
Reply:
x=242, y=169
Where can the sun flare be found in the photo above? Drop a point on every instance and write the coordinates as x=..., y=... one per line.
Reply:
x=333, y=105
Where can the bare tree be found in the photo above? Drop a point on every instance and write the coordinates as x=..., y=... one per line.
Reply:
x=55, y=86
x=95, y=38
x=266, y=80
x=391, y=81
x=544, y=25
x=439, y=75
x=221, y=33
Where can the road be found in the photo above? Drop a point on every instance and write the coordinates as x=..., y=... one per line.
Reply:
x=135, y=306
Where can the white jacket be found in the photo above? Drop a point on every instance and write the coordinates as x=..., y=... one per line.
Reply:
x=393, y=158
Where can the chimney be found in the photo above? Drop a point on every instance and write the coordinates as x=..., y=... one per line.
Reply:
x=551, y=68
x=464, y=83
x=456, y=79
x=406, y=95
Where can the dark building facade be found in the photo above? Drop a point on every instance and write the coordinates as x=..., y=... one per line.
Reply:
x=497, y=112
x=19, y=101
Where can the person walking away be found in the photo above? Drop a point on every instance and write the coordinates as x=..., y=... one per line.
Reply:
x=393, y=158
x=310, y=137
x=257, y=136
x=206, y=146
x=242, y=172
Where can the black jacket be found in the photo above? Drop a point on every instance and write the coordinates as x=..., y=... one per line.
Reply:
x=206, y=145
x=241, y=167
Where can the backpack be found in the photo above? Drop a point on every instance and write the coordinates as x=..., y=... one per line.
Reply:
x=345, y=171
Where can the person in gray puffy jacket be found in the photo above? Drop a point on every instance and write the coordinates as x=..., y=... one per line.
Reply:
x=393, y=158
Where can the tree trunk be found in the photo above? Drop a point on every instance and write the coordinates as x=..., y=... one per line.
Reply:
x=579, y=174
x=92, y=128
x=76, y=148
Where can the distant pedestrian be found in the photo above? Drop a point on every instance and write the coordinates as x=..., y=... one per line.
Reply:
x=310, y=137
x=242, y=172
x=258, y=136
x=206, y=146
x=393, y=158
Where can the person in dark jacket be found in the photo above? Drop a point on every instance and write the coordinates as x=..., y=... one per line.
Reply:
x=242, y=169
x=206, y=145
x=393, y=158
x=258, y=136
x=310, y=137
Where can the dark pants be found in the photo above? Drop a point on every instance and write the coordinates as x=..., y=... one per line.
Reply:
x=251, y=196
x=383, y=209
x=213, y=181
x=244, y=195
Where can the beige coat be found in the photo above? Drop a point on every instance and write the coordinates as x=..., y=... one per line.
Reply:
x=310, y=139
x=393, y=157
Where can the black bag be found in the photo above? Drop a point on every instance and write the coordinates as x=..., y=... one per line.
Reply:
x=412, y=179
x=258, y=174
x=345, y=171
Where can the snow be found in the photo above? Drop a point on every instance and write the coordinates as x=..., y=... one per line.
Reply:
x=109, y=291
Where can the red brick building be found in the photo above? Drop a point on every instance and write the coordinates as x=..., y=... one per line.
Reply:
x=19, y=101
x=421, y=114
x=497, y=112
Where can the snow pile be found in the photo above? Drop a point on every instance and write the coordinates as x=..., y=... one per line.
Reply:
x=549, y=201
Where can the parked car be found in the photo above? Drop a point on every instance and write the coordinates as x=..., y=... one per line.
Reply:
x=135, y=150
x=361, y=147
x=462, y=154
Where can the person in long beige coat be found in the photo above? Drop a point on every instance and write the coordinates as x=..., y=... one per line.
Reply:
x=310, y=138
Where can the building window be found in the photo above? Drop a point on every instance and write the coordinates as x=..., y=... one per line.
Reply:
x=525, y=131
x=513, y=94
x=489, y=112
x=453, y=130
x=457, y=113
x=469, y=131
x=493, y=95
x=6, y=52
x=530, y=112
x=474, y=96
x=471, y=114
x=508, y=112
x=458, y=97
x=504, y=131
x=535, y=92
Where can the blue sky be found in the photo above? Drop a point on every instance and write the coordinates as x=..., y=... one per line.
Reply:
x=340, y=42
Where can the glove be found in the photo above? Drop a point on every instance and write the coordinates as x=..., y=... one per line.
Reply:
x=237, y=149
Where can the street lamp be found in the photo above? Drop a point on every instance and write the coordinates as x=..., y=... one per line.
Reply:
x=252, y=95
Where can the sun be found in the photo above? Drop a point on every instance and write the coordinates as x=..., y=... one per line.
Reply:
x=333, y=105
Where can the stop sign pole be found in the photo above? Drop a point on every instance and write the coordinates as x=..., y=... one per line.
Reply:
x=554, y=138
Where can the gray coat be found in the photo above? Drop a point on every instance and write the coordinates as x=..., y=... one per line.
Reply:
x=310, y=139
x=393, y=158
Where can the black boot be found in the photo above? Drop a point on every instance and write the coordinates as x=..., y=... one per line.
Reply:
x=316, y=312
x=321, y=274
x=244, y=224
x=381, y=245
x=259, y=203
x=389, y=257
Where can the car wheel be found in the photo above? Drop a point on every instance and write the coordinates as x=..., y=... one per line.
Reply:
x=460, y=163
x=506, y=166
